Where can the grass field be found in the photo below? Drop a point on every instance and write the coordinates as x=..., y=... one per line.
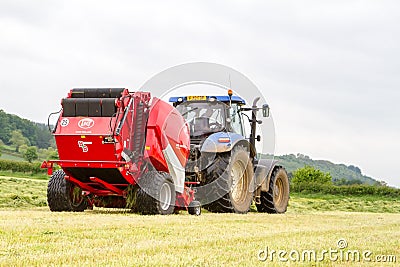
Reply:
x=33, y=236
x=113, y=238
x=10, y=157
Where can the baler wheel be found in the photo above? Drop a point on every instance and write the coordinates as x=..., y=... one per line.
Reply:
x=277, y=198
x=63, y=195
x=194, y=208
x=156, y=194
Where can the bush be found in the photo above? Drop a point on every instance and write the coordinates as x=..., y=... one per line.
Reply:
x=310, y=175
x=31, y=154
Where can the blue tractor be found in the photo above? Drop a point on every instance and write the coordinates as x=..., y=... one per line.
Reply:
x=223, y=165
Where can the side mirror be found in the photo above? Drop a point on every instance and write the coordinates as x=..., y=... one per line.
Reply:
x=265, y=110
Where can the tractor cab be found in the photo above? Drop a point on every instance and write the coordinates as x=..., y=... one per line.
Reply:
x=206, y=115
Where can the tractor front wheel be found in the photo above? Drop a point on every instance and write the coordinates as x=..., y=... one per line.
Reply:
x=277, y=198
x=62, y=195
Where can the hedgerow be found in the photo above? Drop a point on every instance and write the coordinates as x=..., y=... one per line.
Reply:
x=21, y=166
x=347, y=190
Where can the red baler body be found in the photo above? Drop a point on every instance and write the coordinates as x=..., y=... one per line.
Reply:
x=108, y=138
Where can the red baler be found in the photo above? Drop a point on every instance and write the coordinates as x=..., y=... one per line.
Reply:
x=118, y=149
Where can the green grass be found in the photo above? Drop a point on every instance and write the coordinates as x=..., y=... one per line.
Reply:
x=8, y=148
x=31, y=235
x=42, y=176
x=109, y=238
x=19, y=193
x=9, y=153
x=320, y=202
x=10, y=157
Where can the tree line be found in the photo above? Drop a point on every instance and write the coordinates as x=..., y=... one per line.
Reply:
x=25, y=139
x=15, y=130
x=308, y=180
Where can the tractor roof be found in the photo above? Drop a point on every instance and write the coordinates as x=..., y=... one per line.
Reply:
x=223, y=98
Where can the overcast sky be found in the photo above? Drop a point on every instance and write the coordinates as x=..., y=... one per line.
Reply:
x=330, y=70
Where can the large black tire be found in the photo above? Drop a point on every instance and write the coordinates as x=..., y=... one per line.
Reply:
x=277, y=198
x=228, y=181
x=156, y=194
x=63, y=195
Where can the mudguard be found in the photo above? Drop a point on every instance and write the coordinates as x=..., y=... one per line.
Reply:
x=262, y=174
x=222, y=142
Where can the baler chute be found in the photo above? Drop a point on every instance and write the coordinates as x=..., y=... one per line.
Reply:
x=116, y=145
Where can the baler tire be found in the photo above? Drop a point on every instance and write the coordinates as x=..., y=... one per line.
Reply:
x=148, y=200
x=56, y=197
x=59, y=197
x=277, y=198
x=221, y=172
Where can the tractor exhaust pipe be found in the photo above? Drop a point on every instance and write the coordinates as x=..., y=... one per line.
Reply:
x=253, y=122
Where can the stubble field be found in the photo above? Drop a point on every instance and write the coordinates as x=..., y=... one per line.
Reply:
x=33, y=236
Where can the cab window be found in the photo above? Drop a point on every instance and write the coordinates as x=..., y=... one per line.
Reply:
x=236, y=119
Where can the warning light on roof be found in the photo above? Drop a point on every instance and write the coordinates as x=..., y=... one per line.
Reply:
x=230, y=93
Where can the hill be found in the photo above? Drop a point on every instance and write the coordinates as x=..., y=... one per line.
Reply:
x=37, y=133
x=340, y=172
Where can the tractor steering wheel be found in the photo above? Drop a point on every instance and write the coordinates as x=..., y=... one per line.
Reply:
x=214, y=125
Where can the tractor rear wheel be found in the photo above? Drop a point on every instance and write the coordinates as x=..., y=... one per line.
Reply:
x=277, y=198
x=156, y=194
x=62, y=195
x=231, y=174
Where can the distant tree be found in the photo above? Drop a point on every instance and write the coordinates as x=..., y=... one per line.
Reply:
x=17, y=139
x=52, y=153
x=383, y=183
x=23, y=148
x=355, y=169
x=340, y=181
x=355, y=181
x=311, y=175
x=1, y=146
x=31, y=154
x=302, y=156
x=344, y=181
